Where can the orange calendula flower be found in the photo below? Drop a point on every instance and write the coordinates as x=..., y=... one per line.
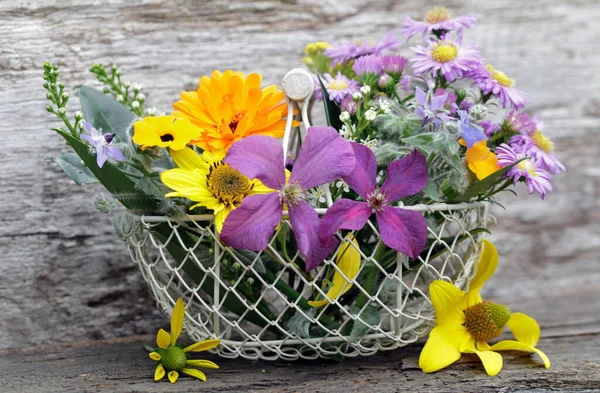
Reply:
x=164, y=131
x=481, y=161
x=229, y=106
x=465, y=323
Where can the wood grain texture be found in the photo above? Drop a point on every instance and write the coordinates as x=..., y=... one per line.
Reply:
x=65, y=276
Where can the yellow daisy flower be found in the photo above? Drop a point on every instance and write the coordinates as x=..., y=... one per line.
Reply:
x=210, y=182
x=465, y=323
x=229, y=106
x=164, y=131
x=172, y=359
x=348, y=261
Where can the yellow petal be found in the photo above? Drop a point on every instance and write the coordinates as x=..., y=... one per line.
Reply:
x=202, y=346
x=163, y=339
x=492, y=361
x=512, y=345
x=445, y=298
x=194, y=373
x=188, y=159
x=221, y=215
x=154, y=356
x=442, y=347
x=173, y=375
x=484, y=168
x=159, y=373
x=524, y=328
x=348, y=261
x=478, y=151
x=201, y=363
x=485, y=266
x=177, y=320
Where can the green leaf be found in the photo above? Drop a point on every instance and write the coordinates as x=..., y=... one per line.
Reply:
x=369, y=317
x=112, y=178
x=71, y=164
x=332, y=111
x=431, y=189
x=299, y=324
x=103, y=112
x=151, y=185
x=482, y=185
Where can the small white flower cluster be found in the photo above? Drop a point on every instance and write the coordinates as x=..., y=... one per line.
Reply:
x=340, y=184
x=316, y=197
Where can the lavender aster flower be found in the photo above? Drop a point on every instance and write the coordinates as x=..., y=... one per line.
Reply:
x=495, y=82
x=489, y=128
x=403, y=230
x=446, y=57
x=437, y=20
x=539, y=146
x=431, y=107
x=370, y=64
x=517, y=122
x=323, y=157
x=536, y=178
x=470, y=133
x=103, y=145
x=393, y=64
x=343, y=52
x=339, y=87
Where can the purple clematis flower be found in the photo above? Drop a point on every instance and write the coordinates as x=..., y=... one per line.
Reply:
x=403, y=230
x=102, y=144
x=323, y=157
x=470, y=133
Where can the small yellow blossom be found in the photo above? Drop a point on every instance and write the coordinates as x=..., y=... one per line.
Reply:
x=481, y=161
x=172, y=359
x=164, y=131
x=465, y=323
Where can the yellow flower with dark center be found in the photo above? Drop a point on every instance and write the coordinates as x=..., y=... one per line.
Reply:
x=173, y=359
x=164, y=131
x=465, y=323
x=210, y=182
x=229, y=106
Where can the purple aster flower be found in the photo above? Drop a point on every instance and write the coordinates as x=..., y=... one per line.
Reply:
x=323, y=157
x=539, y=146
x=338, y=87
x=393, y=64
x=495, y=82
x=431, y=107
x=342, y=52
x=470, y=133
x=370, y=64
x=437, y=20
x=446, y=57
x=517, y=122
x=536, y=178
x=103, y=145
x=489, y=128
x=403, y=230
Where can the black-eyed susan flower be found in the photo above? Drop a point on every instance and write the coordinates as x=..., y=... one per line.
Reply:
x=209, y=182
x=171, y=359
x=229, y=106
x=164, y=131
x=465, y=323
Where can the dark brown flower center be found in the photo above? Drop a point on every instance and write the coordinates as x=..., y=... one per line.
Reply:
x=227, y=184
x=167, y=138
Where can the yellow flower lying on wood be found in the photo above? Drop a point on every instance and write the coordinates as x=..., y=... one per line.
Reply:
x=348, y=262
x=172, y=359
x=164, y=131
x=209, y=182
x=481, y=161
x=229, y=106
x=465, y=323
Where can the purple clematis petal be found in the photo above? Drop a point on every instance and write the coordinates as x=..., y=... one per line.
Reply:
x=363, y=178
x=403, y=230
x=305, y=223
x=346, y=214
x=323, y=157
x=258, y=157
x=406, y=176
x=251, y=224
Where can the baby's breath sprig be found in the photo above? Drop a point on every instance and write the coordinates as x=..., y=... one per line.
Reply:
x=57, y=95
x=125, y=92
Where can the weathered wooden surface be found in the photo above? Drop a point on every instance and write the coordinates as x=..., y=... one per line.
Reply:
x=66, y=277
x=123, y=367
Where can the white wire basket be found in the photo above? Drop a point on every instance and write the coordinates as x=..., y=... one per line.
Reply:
x=249, y=300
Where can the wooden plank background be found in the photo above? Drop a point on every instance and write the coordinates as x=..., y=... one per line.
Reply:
x=65, y=276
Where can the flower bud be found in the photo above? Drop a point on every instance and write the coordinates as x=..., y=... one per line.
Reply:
x=119, y=98
x=50, y=109
x=62, y=111
x=78, y=115
x=141, y=97
x=344, y=116
x=135, y=104
x=370, y=115
x=365, y=89
x=356, y=96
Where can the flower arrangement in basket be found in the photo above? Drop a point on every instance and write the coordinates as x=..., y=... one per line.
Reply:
x=287, y=240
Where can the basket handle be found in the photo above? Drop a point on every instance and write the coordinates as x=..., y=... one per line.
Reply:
x=298, y=87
